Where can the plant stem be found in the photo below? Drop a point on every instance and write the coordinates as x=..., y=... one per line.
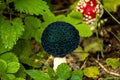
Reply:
x=96, y=23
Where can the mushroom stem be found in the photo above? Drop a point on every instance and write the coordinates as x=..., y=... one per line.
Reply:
x=58, y=61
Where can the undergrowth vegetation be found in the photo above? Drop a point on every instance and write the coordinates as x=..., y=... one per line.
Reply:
x=24, y=20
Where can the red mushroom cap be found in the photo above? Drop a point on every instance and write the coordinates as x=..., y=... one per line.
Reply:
x=89, y=8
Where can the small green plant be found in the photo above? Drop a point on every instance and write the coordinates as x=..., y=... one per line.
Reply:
x=92, y=72
x=63, y=72
x=113, y=62
x=9, y=65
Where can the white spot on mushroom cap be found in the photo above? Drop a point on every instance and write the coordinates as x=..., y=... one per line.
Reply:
x=88, y=12
x=89, y=17
x=86, y=15
x=82, y=10
x=91, y=5
x=84, y=4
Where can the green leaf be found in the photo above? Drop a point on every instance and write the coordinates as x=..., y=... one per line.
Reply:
x=23, y=49
x=32, y=21
x=21, y=72
x=31, y=28
x=9, y=57
x=63, y=71
x=3, y=66
x=10, y=31
x=77, y=75
x=74, y=17
x=2, y=47
x=31, y=6
x=19, y=79
x=10, y=76
x=114, y=3
x=93, y=45
x=49, y=16
x=84, y=30
x=113, y=62
x=2, y=6
x=92, y=72
x=1, y=18
x=13, y=67
x=83, y=56
x=7, y=77
x=78, y=49
x=50, y=71
x=38, y=75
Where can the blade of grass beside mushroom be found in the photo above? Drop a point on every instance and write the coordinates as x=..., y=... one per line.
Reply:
x=59, y=39
x=90, y=9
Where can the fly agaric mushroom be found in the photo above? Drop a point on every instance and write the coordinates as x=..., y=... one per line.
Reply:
x=60, y=39
x=89, y=9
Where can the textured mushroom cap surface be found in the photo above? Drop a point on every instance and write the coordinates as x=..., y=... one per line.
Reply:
x=60, y=38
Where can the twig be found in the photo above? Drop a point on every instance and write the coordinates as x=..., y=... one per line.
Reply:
x=106, y=70
x=83, y=64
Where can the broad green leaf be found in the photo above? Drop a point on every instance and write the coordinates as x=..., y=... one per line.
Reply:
x=61, y=18
x=79, y=49
x=36, y=7
x=84, y=30
x=2, y=7
x=6, y=77
x=32, y=25
x=10, y=31
x=13, y=67
x=19, y=79
x=77, y=75
x=93, y=45
x=2, y=47
x=49, y=16
x=32, y=22
x=60, y=79
x=11, y=76
x=50, y=71
x=37, y=35
x=92, y=72
x=107, y=4
x=74, y=17
x=23, y=49
x=3, y=66
x=9, y=57
x=38, y=75
x=1, y=18
x=21, y=72
x=83, y=56
x=113, y=62
x=63, y=71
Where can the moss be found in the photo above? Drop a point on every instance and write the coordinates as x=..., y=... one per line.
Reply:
x=60, y=38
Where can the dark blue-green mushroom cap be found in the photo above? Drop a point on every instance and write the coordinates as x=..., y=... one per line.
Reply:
x=60, y=38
